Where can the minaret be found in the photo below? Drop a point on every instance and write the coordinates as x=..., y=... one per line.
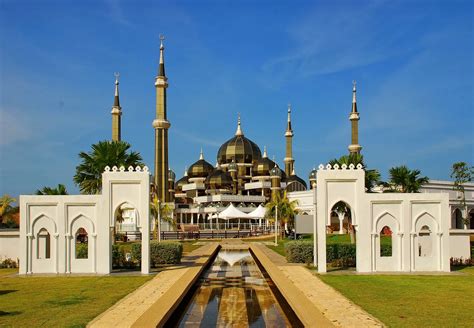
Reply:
x=161, y=126
x=116, y=113
x=289, y=161
x=354, y=147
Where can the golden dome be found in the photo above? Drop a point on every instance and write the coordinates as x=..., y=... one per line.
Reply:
x=295, y=183
x=178, y=186
x=239, y=148
x=200, y=169
x=263, y=166
x=219, y=180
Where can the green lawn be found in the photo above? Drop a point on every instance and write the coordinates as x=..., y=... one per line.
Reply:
x=60, y=301
x=412, y=301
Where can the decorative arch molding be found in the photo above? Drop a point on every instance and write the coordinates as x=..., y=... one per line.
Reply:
x=78, y=217
x=386, y=214
x=421, y=216
x=351, y=208
x=39, y=217
x=113, y=218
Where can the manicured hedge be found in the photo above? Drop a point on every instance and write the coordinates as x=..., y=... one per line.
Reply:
x=299, y=251
x=160, y=253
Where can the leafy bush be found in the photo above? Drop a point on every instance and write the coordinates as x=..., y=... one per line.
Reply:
x=118, y=257
x=386, y=250
x=81, y=251
x=461, y=262
x=160, y=253
x=299, y=251
x=8, y=263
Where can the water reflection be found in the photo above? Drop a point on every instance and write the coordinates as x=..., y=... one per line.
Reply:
x=234, y=293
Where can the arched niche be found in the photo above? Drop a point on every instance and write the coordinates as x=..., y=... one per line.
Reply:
x=426, y=243
x=82, y=238
x=386, y=243
x=43, y=245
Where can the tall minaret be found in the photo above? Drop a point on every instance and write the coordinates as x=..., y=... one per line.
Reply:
x=354, y=147
x=116, y=113
x=289, y=161
x=161, y=126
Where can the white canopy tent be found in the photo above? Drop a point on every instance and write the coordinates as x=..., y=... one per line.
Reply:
x=258, y=213
x=231, y=212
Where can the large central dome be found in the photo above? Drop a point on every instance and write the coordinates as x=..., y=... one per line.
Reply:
x=239, y=148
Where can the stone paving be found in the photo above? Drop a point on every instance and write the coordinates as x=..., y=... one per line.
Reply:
x=334, y=306
x=127, y=311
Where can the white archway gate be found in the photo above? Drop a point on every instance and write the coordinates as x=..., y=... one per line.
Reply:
x=419, y=223
x=49, y=225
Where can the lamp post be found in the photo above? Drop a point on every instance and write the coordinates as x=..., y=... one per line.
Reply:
x=159, y=220
x=276, y=225
x=312, y=179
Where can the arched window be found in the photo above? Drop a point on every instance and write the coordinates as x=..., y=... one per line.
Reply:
x=424, y=242
x=386, y=242
x=81, y=244
x=458, y=217
x=44, y=244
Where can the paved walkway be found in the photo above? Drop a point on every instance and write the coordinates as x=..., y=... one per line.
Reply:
x=337, y=308
x=126, y=311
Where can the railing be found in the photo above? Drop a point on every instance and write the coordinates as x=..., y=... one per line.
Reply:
x=212, y=234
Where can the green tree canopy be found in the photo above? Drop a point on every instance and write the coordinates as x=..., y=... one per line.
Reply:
x=462, y=173
x=6, y=208
x=163, y=211
x=372, y=176
x=59, y=190
x=105, y=153
x=286, y=209
x=402, y=179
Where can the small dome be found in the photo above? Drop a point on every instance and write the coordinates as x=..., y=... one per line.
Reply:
x=200, y=169
x=239, y=148
x=312, y=175
x=178, y=186
x=219, y=180
x=171, y=175
x=263, y=166
x=276, y=172
x=295, y=183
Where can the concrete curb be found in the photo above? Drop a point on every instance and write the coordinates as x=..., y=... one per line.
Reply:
x=308, y=313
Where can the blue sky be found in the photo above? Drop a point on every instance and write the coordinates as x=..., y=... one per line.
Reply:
x=413, y=62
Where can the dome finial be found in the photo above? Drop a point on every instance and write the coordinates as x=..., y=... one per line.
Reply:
x=201, y=155
x=161, y=71
x=185, y=171
x=265, y=152
x=354, y=91
x=239, y=129
x=116, y=96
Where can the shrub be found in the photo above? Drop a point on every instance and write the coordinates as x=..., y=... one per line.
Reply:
x=386, y=250
x=118, y=257
x=461, y=262
x=8, y=263
x=160, y=253
x=299, y=251
x=81, y=251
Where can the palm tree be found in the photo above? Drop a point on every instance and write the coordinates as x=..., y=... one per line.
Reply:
x=341, y=207
x=286, y=210
x=404, y=180
x=6, y=208
x=105, y=153
x=160, y=211
x=59, y=190
x=372, y=176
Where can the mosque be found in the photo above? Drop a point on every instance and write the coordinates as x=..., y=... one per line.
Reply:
x=242, y=175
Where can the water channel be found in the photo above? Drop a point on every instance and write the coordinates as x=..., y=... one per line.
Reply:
x=233, y=292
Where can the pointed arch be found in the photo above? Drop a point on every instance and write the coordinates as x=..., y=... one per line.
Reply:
x=389, y=216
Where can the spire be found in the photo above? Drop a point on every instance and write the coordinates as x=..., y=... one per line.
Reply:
x=288, y=127
x=201, y=155
x=265, y=152
x=185, y=171
x=116, y=97
x=239, y=129
x=116, y=112
x=354, y=102
x=161, y=71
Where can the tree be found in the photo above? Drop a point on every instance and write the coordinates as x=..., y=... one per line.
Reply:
x=462, y=173
x=372, y=176
x=105, y=153
x=6, y=208
x=286, y=210
x=341, y=207
x=59, y=190
x=404, y=180
x=160, y=212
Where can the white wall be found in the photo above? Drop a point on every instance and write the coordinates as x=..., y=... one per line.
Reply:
x=49, y=224
x=459, y=241
x=10, y=245
x=405, y=214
